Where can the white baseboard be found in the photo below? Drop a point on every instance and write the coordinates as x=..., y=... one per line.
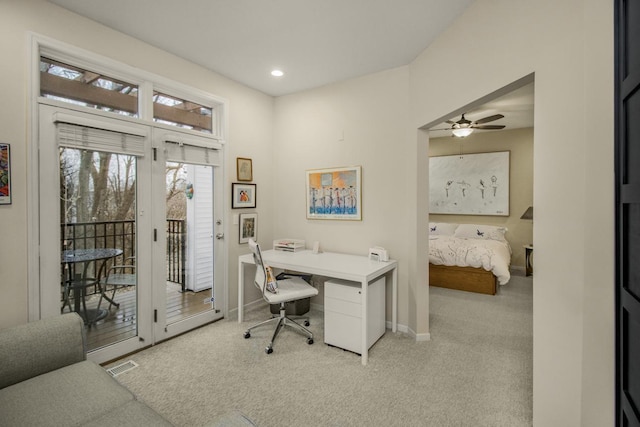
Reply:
x=233, y=313
x=423, y=337
x=407, y=330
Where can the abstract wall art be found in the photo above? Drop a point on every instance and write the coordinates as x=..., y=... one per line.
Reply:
x=469, y=184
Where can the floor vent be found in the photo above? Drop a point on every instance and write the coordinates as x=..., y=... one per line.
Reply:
x=122, y=368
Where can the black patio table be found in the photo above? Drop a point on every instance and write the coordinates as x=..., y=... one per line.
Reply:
x=79, y=282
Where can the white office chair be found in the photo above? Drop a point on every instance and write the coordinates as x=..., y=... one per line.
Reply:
x=288, y=290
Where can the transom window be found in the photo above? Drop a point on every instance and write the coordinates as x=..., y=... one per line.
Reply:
x=68, y=83
x=77, y=85
x=179, y=112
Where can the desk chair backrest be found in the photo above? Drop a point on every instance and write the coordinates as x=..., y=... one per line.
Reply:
x=260, y=279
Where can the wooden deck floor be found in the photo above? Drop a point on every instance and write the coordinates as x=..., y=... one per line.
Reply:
x=120, y=323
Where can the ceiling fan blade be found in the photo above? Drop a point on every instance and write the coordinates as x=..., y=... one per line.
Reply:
x=489, y=127
x=489, y=119
x=451, y=122
x=440, y=129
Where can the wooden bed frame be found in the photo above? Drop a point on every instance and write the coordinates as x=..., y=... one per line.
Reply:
x=463, y=278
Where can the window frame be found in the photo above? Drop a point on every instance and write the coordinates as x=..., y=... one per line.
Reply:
x=146, y=81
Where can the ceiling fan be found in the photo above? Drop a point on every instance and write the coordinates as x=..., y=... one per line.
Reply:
x=465, y=127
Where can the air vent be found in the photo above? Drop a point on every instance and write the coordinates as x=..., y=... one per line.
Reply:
x=122, y=368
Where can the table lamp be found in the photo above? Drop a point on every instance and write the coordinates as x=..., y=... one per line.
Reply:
x=528, y=214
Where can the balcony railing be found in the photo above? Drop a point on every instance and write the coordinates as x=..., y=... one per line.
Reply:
x=176, y=254
x=122, y=235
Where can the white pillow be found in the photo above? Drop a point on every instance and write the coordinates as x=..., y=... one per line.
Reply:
x=475, y=231
x=442, y=228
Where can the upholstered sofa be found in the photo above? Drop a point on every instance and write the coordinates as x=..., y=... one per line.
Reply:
x=45, y=380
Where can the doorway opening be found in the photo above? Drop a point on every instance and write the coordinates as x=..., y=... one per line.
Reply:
x=514, y=102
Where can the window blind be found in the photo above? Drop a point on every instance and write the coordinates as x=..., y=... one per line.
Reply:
x=191, y=150
x=90, y=138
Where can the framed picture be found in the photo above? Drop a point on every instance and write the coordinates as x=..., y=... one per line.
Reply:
x=244, y=169
x=5, y=175
x=243, y=195
x=248, y=227
x=469, y=184
x=334, y=193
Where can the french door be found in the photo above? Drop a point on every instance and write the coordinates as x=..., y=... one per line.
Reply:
x=189, y=218
x=128, y=219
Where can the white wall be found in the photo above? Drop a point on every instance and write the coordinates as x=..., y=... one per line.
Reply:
x=371, y=112
x=568, y=45
x=250, y=127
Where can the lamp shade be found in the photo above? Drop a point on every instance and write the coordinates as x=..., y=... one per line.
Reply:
x=528, y=214
x=462, y=132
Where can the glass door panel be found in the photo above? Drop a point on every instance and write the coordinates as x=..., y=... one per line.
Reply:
x=188, y=220
x=98, y=243
x=189, y=196
x=94, y=227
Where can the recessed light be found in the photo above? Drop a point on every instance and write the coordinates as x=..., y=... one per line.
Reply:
x=277, y=73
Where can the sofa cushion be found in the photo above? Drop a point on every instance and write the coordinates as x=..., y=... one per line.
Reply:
x=35, y=348
x=131, y=414
x=72, y=395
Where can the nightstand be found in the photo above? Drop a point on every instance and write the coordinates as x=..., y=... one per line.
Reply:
x=528, y=260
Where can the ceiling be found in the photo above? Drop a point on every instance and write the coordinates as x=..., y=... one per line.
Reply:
x=314, y=42
x=516, y=106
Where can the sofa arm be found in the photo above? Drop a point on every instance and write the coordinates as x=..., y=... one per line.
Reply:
x=38, y=347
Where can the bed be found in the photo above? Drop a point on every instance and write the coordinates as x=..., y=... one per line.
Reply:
x=468, y=257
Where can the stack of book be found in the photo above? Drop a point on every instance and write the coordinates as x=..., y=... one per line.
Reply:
x=289, y=245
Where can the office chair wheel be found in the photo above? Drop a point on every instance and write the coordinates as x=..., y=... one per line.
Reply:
x=247, y=334
x=309, y=341
x=268, y=350
x=306, y=323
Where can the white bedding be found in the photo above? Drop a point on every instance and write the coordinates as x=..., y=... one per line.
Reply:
x=492, y=255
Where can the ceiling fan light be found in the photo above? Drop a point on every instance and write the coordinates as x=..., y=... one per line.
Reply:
x=462, y=132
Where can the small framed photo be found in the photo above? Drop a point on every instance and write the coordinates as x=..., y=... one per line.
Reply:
x=248, y=227
x=244, y=169
x=243, y=195
x=5, y=175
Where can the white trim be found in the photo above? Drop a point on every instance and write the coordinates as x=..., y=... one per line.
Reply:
x=407, y=330
x=423, y=337
x=33, y=198
x=136, y=121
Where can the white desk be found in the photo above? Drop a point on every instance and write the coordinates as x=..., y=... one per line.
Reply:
x=340, y=266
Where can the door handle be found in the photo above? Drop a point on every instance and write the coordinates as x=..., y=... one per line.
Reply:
x=219, y=236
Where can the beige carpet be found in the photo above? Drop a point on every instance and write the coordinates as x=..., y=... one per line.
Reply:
x=475, y=371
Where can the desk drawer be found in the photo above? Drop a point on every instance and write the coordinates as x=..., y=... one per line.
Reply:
x=343, y=290
x=343, y=321
x=342, y=330
x=341, y=306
